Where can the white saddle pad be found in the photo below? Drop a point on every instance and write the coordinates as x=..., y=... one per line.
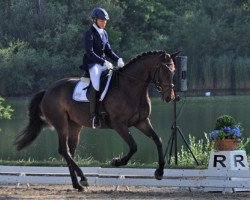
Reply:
x=80, y=90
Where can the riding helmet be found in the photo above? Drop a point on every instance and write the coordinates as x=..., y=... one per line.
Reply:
x=99, y=13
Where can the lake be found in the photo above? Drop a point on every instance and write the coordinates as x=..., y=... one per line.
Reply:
x=196, y=116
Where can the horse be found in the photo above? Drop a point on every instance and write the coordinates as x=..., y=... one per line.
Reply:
x=127, y=104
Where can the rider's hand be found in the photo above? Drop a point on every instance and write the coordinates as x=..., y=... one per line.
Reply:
x=120, y=63
x=108, y=65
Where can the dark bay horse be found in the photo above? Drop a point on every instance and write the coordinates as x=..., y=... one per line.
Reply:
x=127, y=105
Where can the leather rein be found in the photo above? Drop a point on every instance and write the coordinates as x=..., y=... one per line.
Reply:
x=155, y=79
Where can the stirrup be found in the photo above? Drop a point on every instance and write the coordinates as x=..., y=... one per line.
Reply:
x=96, y=122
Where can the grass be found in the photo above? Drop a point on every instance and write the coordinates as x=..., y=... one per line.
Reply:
x=201, y=149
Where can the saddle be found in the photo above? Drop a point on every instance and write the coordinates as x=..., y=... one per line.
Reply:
x=83, y=86
x=82, y=90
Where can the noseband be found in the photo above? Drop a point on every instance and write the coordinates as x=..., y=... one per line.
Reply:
x=156, y=79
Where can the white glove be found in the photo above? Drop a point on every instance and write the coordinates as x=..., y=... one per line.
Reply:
x=108, y=65
x=120, y=63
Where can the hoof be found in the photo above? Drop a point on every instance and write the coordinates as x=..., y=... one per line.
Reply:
x=78, y=187
x=84, y=183
x=158, y=174
x=116, y=162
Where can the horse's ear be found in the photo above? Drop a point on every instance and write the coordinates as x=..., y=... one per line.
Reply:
x=173, y=55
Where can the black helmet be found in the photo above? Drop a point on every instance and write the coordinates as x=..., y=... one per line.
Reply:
x=99, y=13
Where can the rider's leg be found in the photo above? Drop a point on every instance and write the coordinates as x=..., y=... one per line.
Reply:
x=94, y=96
x=95, y=74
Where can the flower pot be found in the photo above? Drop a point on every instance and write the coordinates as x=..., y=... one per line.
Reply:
x=227, y=144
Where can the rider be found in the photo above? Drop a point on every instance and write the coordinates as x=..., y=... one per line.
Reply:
x=97, y=47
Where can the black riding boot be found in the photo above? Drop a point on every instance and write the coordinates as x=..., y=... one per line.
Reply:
x=94, y=98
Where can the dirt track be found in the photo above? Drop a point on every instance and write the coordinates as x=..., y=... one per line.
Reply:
x=66, y=192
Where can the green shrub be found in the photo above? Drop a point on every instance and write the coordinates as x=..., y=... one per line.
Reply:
x=5, y=111
x=224, y=120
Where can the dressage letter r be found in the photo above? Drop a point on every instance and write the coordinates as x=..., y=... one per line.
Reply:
x=238, y=159
x=219, y=159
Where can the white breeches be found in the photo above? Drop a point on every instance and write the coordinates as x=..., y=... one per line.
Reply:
x=95, y=75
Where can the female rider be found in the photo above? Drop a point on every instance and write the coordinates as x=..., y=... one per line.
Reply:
x=97, y=48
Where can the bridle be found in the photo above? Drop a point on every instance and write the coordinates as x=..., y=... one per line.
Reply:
x=156, y=79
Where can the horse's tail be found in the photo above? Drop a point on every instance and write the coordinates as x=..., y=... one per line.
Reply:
x=35, y=124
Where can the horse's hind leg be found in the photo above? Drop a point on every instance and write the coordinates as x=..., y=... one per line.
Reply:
x=73, y=140
x=62, y=126
x=123, y=131
x=146, y=127
x=72, y=172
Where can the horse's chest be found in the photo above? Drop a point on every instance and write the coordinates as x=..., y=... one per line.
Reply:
x=140, y=113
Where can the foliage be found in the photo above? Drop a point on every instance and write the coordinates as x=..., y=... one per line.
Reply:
x=26, y=70
x=49, y=36
x=5, y=111
x=244, y=143
x=226, y=128
x=225, y=120
x=201, y=149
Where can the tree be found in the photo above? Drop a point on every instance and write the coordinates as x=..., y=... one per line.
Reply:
x=42, y=40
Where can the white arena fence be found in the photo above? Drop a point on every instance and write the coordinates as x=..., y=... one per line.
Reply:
x=191, y=178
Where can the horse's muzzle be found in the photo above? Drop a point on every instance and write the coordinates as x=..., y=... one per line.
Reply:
x=172, y=95
x=169, y=97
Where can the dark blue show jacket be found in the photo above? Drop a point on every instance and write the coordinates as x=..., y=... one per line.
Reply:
x=96, y=49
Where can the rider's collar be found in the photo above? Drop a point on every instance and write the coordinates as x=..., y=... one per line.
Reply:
x=99, y=30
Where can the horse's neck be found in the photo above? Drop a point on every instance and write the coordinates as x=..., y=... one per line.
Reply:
x=135, y=79
x=141, y=70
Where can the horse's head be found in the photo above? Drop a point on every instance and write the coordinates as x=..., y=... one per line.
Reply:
x=163, y=77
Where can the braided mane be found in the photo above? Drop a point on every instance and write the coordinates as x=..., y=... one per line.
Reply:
x=133, y=60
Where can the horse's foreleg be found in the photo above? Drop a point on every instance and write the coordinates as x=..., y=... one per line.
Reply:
x=125, y=134
x=146, y=127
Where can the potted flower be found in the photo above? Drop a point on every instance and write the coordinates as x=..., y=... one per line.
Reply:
x=226, y=134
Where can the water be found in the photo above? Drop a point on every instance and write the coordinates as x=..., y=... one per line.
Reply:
x=196, y=117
